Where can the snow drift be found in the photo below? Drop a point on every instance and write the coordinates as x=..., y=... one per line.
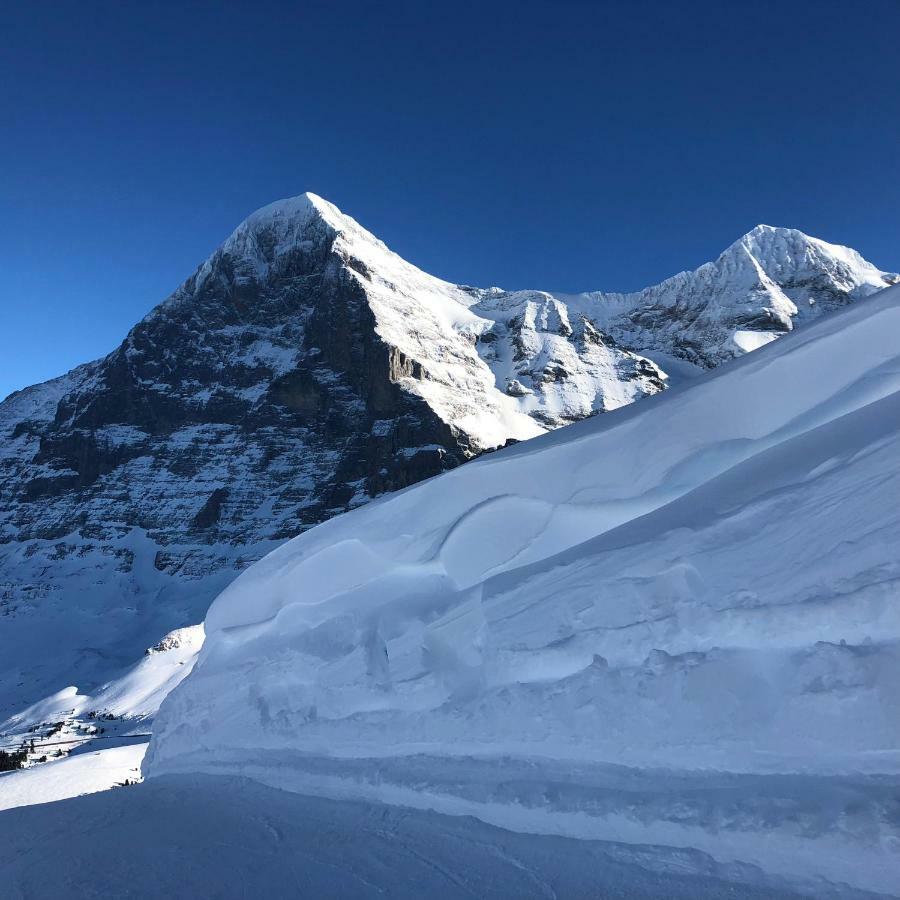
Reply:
x=677, y=583
x=707, y=582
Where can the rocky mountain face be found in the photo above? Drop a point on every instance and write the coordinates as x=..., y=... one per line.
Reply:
x=302, y=370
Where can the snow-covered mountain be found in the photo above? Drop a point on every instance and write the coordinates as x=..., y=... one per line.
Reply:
x=762, y=286
x=675, y=625
x=302, y=370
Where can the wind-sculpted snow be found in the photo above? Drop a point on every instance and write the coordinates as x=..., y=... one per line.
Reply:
x=705, y=582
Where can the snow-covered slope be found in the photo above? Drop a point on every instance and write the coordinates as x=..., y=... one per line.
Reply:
x=82, y=773
x=301, y=371
x=706, y=582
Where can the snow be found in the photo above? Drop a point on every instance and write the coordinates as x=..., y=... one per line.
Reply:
x=698, y=597
x=697, y=594
x=70, y=722
x=753, y=340
x=189, y=837
x=82, y=773
x=675, y=370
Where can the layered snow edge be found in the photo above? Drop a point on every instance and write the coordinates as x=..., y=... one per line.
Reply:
x=703, y=583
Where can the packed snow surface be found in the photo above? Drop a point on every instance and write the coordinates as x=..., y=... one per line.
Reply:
x=676, y=624
x=192, y=837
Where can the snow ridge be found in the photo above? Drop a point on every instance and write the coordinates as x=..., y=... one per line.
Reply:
x=660, y=648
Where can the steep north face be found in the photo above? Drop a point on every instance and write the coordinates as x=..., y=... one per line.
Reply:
x=302, y=370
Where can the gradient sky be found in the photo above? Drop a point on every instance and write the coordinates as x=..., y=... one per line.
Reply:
x=558, y=145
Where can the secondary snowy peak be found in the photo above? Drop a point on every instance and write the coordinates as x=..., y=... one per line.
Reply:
x=799, y=273
x=760, y=287
x=789, y=253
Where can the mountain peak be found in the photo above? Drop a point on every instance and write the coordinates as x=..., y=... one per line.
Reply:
x=790, y=253
x=291, y=216
x=303, y=205
x=282, y=225
x=763, y=235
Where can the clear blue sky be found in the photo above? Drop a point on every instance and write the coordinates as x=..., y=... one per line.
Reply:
x=558, y=145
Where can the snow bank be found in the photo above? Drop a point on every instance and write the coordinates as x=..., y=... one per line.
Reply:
x=705, y=582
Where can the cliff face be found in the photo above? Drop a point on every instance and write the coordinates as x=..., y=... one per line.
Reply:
x=255, y=402
x=262, y=379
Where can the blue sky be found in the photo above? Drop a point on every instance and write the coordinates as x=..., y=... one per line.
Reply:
x=554, y=145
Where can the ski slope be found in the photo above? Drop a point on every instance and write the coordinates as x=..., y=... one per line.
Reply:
x=676, y=624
